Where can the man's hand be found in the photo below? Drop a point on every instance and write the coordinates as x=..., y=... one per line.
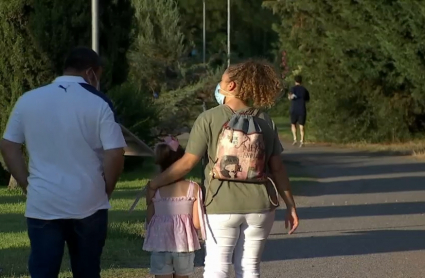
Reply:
x=289, y=96
x=291, y=220
x=113, y=164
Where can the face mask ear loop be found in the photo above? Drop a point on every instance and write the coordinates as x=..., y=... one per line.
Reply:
x=227, y=93
x=97, y=80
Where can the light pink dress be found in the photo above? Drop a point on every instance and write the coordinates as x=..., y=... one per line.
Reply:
x=171, y=228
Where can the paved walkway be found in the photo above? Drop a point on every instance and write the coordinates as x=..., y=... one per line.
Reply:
x=363, y=216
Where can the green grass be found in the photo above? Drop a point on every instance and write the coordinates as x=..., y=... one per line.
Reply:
x=283, y=126
x=122, y=256
x=414, y=147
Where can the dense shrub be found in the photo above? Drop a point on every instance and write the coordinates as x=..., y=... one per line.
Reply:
x=36, y=35
x=363, y=63
x=136, y=110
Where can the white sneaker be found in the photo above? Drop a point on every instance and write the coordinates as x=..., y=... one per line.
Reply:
x=301, y=144
x=294, y=143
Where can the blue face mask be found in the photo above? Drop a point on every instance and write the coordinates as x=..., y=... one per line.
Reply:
x=219, y=97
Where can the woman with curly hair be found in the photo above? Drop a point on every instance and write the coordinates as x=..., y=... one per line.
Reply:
x=240, y=214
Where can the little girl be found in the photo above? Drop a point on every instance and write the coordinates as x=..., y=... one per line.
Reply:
x=174, y=215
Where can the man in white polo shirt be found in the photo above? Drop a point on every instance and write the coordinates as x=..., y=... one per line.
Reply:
x=76, y=156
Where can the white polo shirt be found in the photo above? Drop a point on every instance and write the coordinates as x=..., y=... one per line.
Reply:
x=65, y=126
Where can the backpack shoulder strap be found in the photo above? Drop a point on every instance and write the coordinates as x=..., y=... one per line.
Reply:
x=252, y=112
x=255, y=112
x=267, y=118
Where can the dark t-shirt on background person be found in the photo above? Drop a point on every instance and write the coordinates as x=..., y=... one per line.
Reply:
x=301, y=97
x=298, y=108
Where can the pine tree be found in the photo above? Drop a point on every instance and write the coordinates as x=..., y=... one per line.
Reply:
x=158, y=46
x=160, y=63
x=36, y=35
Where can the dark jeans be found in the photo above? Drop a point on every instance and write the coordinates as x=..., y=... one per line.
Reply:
x=85, y=239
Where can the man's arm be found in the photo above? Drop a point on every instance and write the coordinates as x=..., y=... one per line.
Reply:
x=307, y=95
x=15, y=162
x=113, y=164
x=113, y=144
x=291, y=94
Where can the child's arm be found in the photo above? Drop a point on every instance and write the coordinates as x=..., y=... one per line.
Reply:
x=196, y=211
x=149, y=204
x=150, y=213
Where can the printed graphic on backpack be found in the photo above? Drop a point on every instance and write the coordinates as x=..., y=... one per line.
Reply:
x=240, y=151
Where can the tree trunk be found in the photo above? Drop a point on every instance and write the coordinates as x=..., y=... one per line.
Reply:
x=13, y=184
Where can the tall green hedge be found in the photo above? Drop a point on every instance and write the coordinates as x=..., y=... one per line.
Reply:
x=36, y=35
x=363, y=62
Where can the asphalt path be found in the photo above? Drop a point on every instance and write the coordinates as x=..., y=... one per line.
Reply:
x=362, y=215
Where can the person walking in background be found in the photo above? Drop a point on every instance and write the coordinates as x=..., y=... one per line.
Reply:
x=298, y=95
x=240, y=200
x=76, y=156
x=174, y=214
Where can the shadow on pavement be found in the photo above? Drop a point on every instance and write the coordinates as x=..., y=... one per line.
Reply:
x=346, y=244
x=358, y=186
x=356, y=210
x=317, y=151
x=338, y=168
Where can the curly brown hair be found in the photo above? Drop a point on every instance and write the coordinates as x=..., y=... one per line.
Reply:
x=258, y=82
